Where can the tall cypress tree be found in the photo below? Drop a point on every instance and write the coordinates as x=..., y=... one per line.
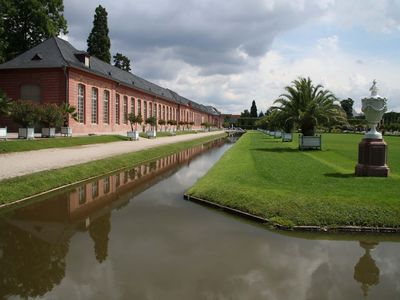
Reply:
x=98, y=41
x=253, y=110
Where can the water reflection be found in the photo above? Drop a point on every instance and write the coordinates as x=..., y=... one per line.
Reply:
x=366, y=271
x=34, y=240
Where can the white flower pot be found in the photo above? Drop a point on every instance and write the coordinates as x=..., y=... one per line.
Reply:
x=151, y=134
x=66, y=131
x=133, y=135
x=26, y=133
x=49, y=132
x=3, y=133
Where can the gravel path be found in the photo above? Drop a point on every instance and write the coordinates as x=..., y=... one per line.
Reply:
x=22, y=163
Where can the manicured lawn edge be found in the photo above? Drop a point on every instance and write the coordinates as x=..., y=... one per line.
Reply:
x=284, y=227
x=272, y=182
x=58, y=142
x=21, y=189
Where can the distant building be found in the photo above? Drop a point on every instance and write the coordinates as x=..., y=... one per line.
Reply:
x=55, y=72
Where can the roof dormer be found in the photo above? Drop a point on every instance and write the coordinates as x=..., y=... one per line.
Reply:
x=84, y=58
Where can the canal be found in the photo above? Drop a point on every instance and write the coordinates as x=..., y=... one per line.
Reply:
x=130, y=235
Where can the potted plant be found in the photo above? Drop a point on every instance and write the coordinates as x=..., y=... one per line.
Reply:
x=152, y=121
x=68, y=111
x=5, y=107
x=161, y=122
x=51, y=116
x=26, y=114
x=134, y=134
x=191, y=125
x=181, y=123
x=173, y=123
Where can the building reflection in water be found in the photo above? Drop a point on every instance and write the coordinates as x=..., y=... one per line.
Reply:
x=366, y=271
x=34, y=240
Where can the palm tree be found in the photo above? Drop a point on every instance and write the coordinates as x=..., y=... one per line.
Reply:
x=307, y=106
x=5, y=104
x=69, y=111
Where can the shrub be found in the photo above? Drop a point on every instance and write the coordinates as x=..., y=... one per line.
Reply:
x=51, y=115
x=25, y=113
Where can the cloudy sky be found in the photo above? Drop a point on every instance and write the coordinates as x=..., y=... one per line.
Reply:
x=227, y=53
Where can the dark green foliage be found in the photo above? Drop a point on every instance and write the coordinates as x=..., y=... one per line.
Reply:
x=347, y=106
x=391, y=117
x=135, y=119
x=98, y=41
x=25, y=113
x=307, y=106
x=5, y=104
x=245, y=114
x=261, y=114
x=25, y=24
x=68, y=111
x=122, y=62
x=253, y=110
x=51, y=115
x=246, y=122
x=151, y=121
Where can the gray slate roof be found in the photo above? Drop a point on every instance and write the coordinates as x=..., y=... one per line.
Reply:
x=58, y=53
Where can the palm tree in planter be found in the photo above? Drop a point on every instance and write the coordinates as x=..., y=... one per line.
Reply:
x=173, y=123
x=51, y=116
x=26, y=114
x=161, y=122
x=5, y=108
x=134, y=134
x=307, y=106
x=68, y=111
x=152, y=121
x=181, y=125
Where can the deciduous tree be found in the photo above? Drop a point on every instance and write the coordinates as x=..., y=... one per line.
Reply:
x=25, y=24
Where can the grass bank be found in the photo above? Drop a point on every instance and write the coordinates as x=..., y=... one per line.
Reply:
x=58, y=142
x=265, y=177
x=167, y=133
x=21, y=187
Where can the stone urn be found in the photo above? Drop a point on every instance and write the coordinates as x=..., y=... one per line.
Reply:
x=372, y=150
x=373, y=107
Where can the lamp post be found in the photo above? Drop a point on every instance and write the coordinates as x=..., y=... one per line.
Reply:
x=372, y=150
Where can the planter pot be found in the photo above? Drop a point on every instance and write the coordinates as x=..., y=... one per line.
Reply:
x=49, y=132
x=26, y=133
x=3, y=133
x=278, y=134
x=310, y=142
x=66, y=131
x=151, y=134
x=287, y=137
x=133, y=135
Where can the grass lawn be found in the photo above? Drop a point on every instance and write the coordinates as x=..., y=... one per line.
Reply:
x=167, y=133
x=263, y=176
x=58, y=142
x=17, y=188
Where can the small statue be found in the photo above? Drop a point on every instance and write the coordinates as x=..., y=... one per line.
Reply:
x=374, y=89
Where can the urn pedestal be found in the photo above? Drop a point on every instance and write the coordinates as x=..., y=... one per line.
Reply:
x=372, y=158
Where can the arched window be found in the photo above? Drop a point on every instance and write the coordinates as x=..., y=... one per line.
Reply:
x=106, y=107
x=81, y=103
x=117, y=109
x=125, y=110
x=133, y=105
x=163, y=111
x=95, y=101
x=144, y=110
x=159, y=111
x=31, y=92
x=139, y=107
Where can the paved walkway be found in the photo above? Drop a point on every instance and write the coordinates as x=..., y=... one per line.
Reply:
x=22, y=163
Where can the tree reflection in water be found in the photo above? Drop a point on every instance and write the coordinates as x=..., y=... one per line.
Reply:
x=99, y=230
x=366, y=271
x=29, y=267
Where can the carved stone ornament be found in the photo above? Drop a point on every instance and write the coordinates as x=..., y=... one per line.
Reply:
x=374, y=107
